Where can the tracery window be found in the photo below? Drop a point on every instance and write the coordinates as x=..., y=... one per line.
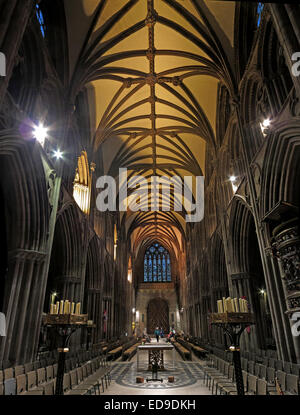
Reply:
x=259, y=11
x=157, y=264
x=40, y=17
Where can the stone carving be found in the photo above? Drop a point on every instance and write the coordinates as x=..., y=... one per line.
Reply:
x=287, y=248
x=50, y=186
x=263, y=105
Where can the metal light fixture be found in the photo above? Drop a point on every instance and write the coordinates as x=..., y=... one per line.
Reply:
x=232, y=179
x=265, y=126
x=57, y=154
x=40, y=133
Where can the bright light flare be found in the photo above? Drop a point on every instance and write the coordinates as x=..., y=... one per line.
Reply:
x=57, y=154
x=40, y=133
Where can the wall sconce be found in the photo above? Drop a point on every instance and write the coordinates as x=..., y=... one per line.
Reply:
x=57, y=154
x=265, y=126
x=232, y=179
x=40, y=133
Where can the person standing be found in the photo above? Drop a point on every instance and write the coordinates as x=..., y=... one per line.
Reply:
x=157, y=333
x=162, y=333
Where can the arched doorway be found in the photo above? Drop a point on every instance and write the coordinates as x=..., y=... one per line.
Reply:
x=157, y=315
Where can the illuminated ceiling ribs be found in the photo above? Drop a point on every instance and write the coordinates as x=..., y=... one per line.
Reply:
x=154, y=111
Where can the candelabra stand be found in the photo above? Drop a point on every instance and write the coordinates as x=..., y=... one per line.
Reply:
x=65, y=325
x=233, y=325
x=89, y=329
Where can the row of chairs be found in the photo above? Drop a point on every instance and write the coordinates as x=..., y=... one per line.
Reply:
x=252, y=355
x=19, y=381
x=89, y=378
x=42, y=381
x=252, y=366
x=219, y=376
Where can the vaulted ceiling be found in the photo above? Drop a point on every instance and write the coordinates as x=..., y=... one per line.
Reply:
x=151, y=69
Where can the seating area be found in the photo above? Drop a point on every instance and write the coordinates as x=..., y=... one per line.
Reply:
x=194, y=345
x=262, y=376
x=120, y=346
x=183, y=350
x=130, y=349
x=85, y=373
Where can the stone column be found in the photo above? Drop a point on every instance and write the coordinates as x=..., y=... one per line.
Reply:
x=287, y=249
x=20, y=294
x=240, y=288
x=287, y=36
x=14, y=17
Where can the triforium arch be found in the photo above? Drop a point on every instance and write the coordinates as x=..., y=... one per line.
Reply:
x=65, y=274
x=219, y=278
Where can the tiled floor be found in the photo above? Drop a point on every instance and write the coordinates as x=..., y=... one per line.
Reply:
x=188, y=377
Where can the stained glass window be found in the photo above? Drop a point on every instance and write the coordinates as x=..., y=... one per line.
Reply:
x=157, y=264
x=40, y=17
x=259, y=11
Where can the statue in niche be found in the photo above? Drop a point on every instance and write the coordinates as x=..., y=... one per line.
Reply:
x=263, y=105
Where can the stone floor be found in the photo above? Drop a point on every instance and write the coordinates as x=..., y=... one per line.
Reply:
x=188, y=377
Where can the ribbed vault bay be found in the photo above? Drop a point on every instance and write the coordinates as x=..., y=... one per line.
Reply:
x=151, y=69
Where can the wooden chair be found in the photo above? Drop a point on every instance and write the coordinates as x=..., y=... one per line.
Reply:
x=32, y=381
x=281, y=377
x=36, y=365
x=262, y=387
x=227, y=382
x=49, y=388
x=10, y=386
x=252, y=385
x=21, y=384
x=292, y=384
x=28, y=367
x=41, y=376
x=295, y=369
x=79, y=374
x=263, y=372
x=19, y=370
x=8, y=373
x=49, y=373
x=66, y=382
x=251, y=364
x=287, y=367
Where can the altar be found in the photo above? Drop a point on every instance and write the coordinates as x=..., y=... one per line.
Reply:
x=156, y=355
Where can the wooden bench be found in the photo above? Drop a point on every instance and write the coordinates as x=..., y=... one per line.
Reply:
x=114, y=353
x=130, y=352
x=199, y=351
x=184, y=352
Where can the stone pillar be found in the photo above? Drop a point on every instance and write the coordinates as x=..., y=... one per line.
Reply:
x=287, y=36
x=287, y=249
x=21, y=294
x=240, y=288
x=14, y=17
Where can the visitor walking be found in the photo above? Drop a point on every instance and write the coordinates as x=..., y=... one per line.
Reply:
x=157, y=333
